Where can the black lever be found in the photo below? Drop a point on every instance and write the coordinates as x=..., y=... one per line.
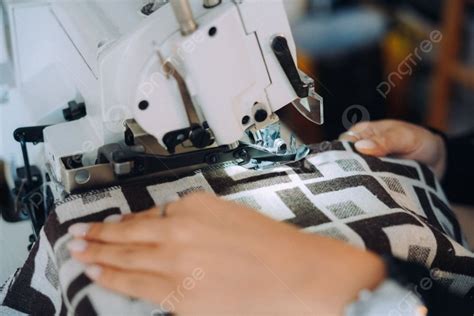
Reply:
x=282, y=52
x=31, y=194
x=32, y=134
x=24, y=135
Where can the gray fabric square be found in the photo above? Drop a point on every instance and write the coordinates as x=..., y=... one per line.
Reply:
x=334, y=233
x=249, y=202
x=62, y=253
x=345, y=209
x=189, y=191
x=418, y=254
x=446, y=282
x=51, y=273
x=91, y=198
x=394, y=185
x=350, y=165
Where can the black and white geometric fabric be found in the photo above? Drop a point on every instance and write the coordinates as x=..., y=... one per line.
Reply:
x=386, y=205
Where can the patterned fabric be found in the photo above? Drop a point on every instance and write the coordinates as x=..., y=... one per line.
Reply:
x=385, y=205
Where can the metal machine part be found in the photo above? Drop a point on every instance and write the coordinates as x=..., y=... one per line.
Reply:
x=141, y=158
x=34, y=198
x=184, y=14
x=309, y=104
x=152, y=6
x=211, y=3
x=199, y=135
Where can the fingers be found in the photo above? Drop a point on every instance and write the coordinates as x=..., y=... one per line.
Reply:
x=116, y=218
x=366, y=130
x=359, y=131
x=398, y=141
x=383, y=138
x=375, y=146
x=146, y=258
x=146, y=227
x=135, y=230
x=349, y=137
x=151, y=287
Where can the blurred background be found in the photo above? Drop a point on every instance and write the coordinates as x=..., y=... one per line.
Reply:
x=405, y=59
x=408, y=59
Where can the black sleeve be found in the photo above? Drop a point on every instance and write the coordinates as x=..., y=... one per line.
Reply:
x=431, y=290
x=459, y=176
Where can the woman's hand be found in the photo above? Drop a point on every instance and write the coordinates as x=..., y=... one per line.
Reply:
x=220, y=258
x=400, y=139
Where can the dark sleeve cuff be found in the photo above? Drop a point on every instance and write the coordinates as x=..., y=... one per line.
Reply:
x=425, y=284
x=459, y=176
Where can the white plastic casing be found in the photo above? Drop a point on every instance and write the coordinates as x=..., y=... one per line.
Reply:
x=226, y=74
x=109, y=53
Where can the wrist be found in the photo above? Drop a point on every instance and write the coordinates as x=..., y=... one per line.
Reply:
x=333, y=281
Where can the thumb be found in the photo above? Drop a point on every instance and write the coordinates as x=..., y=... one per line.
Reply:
x=393, y=141
x=371, y=147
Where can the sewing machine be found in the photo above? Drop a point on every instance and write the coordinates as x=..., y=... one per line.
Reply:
x=160, y=87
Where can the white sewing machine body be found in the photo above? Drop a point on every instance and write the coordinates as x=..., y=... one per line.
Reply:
x=143, y=74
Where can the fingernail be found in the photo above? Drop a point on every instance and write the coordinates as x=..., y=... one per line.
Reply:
x=93, y=272
x=116, y=218
x=77, y=245
x=79, y=230
x=365, y=144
